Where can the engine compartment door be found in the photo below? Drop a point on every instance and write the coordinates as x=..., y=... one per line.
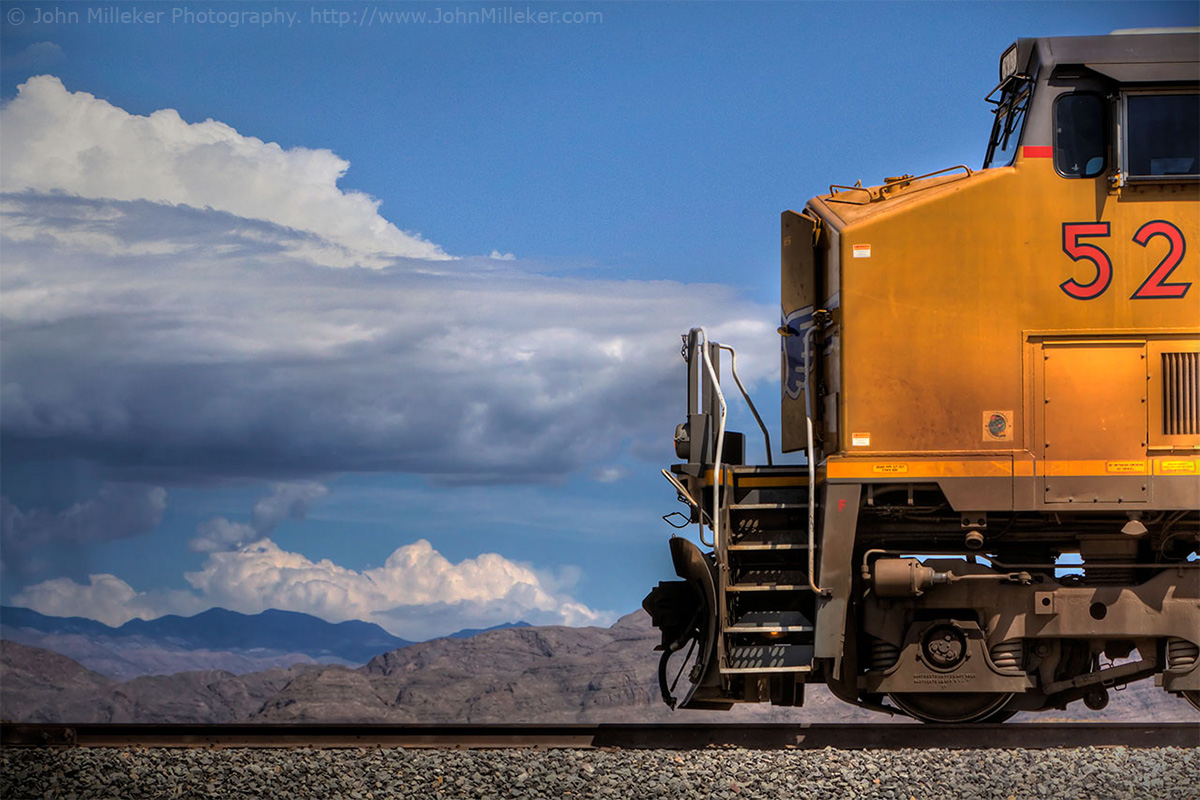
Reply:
x=1094, y=421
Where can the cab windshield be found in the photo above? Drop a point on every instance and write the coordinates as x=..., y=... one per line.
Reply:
x=1010, y=119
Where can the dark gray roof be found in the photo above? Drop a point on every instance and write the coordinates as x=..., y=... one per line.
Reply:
x=1127, y=57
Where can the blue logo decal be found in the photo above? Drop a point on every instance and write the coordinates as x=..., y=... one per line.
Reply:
x=996, y=426
x=797, y=323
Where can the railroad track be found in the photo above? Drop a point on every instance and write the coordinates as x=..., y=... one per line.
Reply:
x=1035, y=736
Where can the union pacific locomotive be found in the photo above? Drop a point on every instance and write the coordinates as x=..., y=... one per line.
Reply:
x=994, y=376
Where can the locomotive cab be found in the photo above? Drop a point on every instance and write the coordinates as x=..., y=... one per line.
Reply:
x=994, y=375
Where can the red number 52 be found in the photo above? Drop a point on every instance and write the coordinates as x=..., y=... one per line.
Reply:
x=1155, y=285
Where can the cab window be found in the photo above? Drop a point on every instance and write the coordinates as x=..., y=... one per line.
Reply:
x=1079, y=135
x=1162, y=136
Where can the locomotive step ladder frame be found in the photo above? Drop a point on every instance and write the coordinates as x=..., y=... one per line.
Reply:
x=762, y=522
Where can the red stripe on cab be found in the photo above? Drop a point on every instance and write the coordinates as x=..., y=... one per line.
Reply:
x=1037, y=152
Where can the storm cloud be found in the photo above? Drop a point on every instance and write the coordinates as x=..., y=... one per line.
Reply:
x=117, y=511
x=172, y=343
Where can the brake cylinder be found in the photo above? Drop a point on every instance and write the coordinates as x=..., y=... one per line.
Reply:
x=904, y=577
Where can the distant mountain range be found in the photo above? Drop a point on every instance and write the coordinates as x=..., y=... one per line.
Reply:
x=523, y=674
x=213, y=639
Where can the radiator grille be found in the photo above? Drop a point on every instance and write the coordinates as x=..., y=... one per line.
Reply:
x=1181, y=393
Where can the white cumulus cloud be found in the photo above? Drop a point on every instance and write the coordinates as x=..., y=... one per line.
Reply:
x=417, y=593
x=105, y=598
x=73, y=142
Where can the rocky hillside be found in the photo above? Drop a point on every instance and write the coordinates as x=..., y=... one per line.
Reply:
x=523, y=674
x=37, y=685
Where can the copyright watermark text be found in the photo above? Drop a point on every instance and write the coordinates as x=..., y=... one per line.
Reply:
x=290, y=16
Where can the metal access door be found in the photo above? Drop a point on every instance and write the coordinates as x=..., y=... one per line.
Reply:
x=798, y=282
x=1094, y=421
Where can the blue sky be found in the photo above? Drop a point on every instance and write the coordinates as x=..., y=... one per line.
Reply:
x=381, y=320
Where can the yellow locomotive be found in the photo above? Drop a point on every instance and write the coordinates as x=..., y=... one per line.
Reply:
x=995, y=377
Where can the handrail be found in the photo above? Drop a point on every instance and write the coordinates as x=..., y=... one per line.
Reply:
x=717, y=472
x=857, y=188
x=702, y=343
x=812, y=470
x=882, y=192
x=749, y=402
x=684, y=494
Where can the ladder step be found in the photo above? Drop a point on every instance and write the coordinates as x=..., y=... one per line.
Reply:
x=781, y=472
x=770, y=622
x=767, y=587
x=768, y=580
x=770, y=658
x=761, y=546
x=766, y=575
x=768, y=507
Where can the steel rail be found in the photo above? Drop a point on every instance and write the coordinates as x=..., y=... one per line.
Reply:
x=680, y=736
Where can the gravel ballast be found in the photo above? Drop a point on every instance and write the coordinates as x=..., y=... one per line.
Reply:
x=375, y=774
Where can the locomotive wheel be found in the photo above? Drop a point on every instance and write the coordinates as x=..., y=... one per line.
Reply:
x=942, y=708
x=996, y=717
x=1193, y=697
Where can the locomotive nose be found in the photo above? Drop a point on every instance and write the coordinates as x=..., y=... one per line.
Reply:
x=678, y=608
x=672, y=606
x=684, y=611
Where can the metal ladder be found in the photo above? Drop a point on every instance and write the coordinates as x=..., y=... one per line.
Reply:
x=767, y=606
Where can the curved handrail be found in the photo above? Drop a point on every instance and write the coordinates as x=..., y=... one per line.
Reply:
x=746, y=396
x=718, y=477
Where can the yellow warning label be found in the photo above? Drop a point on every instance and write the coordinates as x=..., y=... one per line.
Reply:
x=860, y=439
x=1177, y=466
x=890, y=469
x=1135, y=467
